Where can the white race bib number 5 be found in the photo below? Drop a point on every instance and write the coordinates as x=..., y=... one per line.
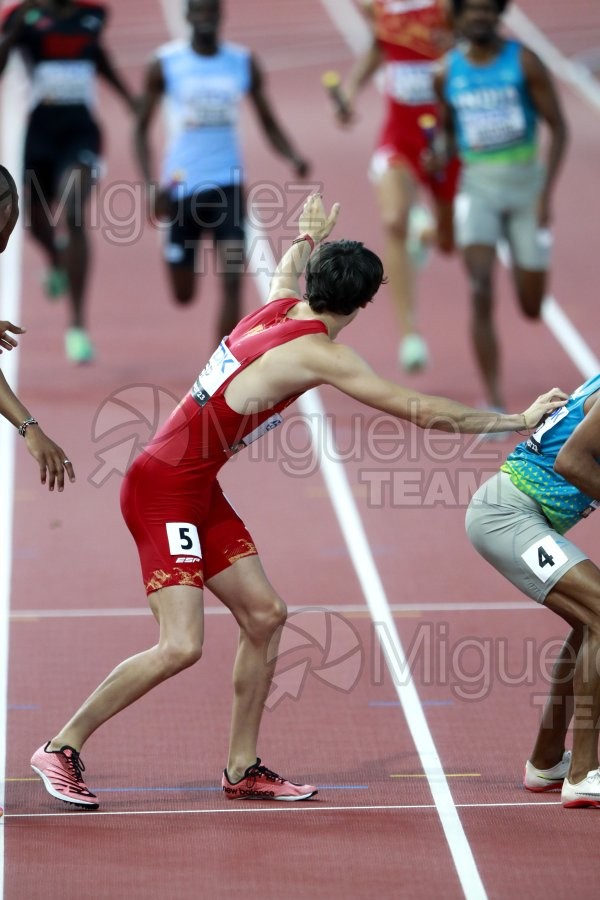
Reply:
x=183, y=538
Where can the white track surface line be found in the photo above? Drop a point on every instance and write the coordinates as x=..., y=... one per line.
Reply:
x=292, y=808
x=10, y=286
x=355, y=31
x=342, y=609
x=574, y=73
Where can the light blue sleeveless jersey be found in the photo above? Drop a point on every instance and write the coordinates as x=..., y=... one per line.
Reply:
x=531, y=463
x=202, y=98
x=495, y=120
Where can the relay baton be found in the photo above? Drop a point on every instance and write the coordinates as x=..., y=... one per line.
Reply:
x=332, y=83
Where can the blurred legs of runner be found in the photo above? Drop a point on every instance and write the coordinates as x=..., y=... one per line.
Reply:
x=61, y=232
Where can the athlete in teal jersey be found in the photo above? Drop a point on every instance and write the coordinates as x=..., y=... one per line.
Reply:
x=516, y=521
x=531, y=464
x=492, y=93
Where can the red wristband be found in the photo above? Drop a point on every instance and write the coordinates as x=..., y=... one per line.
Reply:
x=305, y=237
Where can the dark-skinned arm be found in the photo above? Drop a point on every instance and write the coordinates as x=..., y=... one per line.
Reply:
x=107, y=71
x=271, y=127
x=12, y=31
x=546, y=102
x=154, y=87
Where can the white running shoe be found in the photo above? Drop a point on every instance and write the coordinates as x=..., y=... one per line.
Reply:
x=584, y=793
x=541, y=780
x=412, y=353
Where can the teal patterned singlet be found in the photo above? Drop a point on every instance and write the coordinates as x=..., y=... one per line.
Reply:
x=531, y=464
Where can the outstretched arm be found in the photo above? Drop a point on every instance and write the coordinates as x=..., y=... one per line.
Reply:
x=360, y=75
x=314, y=225
x=270, y=125
x=341, y=367
x=51, y=458
x=578, y=459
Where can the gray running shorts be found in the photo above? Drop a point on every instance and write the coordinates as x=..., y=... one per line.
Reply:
x=509, y=529
x=497, y=202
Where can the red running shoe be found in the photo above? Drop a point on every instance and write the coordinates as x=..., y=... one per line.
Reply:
x=259, y=783
x=60, y=770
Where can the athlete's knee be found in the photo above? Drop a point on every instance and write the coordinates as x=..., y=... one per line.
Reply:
x=480, y=282
x=177, y=655
x=395, y=226
x=531, y=303
x=265, y=617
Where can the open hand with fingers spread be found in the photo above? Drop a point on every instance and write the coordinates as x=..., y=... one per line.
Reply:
x=314, y=219
x=6, y=341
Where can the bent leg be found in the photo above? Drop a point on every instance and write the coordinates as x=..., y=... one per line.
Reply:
x=180, y=616
x=260, y=614
x=396, y=192
x=530, y=248
x=530, y=286
x=444, y=221
x=576, y=598
x=549, y=745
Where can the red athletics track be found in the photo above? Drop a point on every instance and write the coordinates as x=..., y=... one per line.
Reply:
x=165, y=830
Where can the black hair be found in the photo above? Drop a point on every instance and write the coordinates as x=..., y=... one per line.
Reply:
x=342, y=276
x=11, y=188
x=458, y=6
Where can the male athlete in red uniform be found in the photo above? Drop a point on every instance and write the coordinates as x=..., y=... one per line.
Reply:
x=187, y=533
x=61, y=44
x=408, y=37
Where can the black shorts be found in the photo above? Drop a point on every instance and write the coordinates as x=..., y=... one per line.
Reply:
x=220, y=210
x=58, y=137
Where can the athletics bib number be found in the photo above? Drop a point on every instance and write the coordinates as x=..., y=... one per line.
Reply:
x=410, y=83
x=544, y=558
x=63, y=81
x=493, y=128
x=183, y=538
x=215, y=373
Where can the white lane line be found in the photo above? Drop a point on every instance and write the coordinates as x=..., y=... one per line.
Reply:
x=312, y=807
x=355, y=31
x=569, y=338
x=525, y=605
x=568, y=70
x=12, y=121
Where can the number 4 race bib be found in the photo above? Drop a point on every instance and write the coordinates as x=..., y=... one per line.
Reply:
x=544, y=558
